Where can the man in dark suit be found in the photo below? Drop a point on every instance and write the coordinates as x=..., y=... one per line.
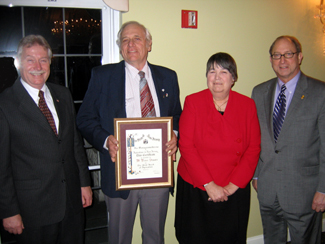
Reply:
x=114, y=92
x=290, y=176
x=44, y=179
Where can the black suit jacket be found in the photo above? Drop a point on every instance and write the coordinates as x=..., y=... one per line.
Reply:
x=105, y=100
x=37, y=169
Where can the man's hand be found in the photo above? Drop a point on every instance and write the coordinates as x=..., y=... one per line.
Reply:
x=14, y=224
x=86, y=196
x=254, y=184
x=172, y=146
x=112, y=145
x=319, y=202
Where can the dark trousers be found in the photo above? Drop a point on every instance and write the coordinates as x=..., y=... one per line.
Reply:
x=68, y=231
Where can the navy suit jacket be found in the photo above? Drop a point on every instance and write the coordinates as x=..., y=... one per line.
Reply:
x=105, y=100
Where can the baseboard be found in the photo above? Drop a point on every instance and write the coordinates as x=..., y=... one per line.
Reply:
x=255, y=240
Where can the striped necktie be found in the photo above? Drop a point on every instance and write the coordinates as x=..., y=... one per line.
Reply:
x=279, y=113
x=146, y=101
x=46, y=111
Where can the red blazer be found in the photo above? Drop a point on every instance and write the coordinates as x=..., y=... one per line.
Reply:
x=220, y=148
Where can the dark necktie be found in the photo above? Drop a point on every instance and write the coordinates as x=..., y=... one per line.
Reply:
x=146, y=101
x=279, y=113
x=46, y=111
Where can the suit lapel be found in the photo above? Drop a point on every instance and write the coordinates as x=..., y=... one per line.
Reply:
x=59, y=102
x=301, y=90
x=268, y=104
x=117, y=83
x=28, y=107
x=158, y=80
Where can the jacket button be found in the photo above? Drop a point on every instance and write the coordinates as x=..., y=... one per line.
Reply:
x=276, y=151
x=238, y=153
x=238, y=140
x=63, y=181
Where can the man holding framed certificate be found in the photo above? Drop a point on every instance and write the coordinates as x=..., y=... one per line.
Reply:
x=132, y=88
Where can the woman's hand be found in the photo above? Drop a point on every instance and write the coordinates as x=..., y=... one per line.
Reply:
x=231, y=188
x=216, y=193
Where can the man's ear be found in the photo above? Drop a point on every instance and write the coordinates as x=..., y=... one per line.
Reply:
x=149, y=46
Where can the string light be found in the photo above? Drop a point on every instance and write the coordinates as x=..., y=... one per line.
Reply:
x=91, y=25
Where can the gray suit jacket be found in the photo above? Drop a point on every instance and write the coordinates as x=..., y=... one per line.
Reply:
x=38, y=170
x=293, y=169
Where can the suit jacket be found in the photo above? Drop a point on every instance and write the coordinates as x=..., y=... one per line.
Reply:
x=105, y=100
x=220, y=148
x=38, y=170
x=293, y=169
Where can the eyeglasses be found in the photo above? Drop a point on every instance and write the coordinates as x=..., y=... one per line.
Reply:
x=277, y=56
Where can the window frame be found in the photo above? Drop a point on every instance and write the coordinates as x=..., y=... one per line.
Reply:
x=111, y=20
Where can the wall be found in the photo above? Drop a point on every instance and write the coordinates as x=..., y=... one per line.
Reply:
x=244, y=29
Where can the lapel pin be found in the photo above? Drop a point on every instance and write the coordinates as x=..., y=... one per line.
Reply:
x=57, y=100
x=303, y=96
x=164, y=95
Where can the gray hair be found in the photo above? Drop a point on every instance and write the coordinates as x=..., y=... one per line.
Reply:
x=148, y=35
x=293, y=39
x=31, y=40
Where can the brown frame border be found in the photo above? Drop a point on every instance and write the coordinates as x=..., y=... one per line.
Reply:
x=123, y=124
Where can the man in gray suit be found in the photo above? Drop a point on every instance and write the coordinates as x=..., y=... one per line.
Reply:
x=290, y=176
x=44, y=179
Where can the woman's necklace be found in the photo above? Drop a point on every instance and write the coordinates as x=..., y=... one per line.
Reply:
x=218, y=107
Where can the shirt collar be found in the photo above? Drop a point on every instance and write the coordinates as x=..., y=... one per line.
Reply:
x=291, y=84
x=33, y=92
x=135, y=72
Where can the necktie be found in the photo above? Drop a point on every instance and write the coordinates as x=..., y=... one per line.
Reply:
x=46, y=111
x=279, y=112
x=146, y=101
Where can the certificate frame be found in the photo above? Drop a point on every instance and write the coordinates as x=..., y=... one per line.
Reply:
x=157, y=170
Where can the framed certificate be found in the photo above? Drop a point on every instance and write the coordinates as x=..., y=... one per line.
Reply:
x=142, y=160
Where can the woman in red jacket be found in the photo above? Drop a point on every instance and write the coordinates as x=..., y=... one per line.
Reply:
x=220, y=145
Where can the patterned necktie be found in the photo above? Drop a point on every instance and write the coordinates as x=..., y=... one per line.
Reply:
x=46, y=111
x=146, y=101
x=279, y=112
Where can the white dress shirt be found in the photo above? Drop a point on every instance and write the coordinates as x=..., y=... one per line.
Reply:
x=132, y=91
x=291, y=87
x=33, y=92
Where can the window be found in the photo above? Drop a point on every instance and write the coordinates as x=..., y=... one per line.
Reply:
x=79, y=37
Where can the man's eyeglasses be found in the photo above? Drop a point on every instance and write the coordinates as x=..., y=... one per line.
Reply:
x=286, y=55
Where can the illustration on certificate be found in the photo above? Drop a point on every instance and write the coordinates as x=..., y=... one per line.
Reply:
x=144, y=153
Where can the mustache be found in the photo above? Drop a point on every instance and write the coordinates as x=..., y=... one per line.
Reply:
x=37, y=72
